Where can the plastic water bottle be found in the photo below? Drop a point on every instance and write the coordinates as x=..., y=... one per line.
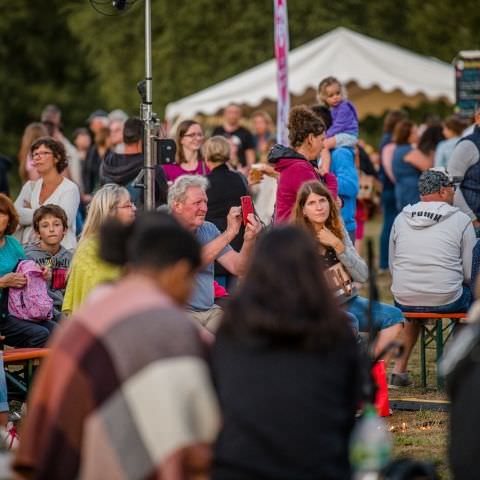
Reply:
x=370, y=446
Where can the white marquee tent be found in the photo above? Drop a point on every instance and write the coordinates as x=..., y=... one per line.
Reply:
x=378, y=75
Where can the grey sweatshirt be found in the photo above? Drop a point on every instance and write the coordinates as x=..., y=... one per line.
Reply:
x=352, y=261
x=430, y=254
x=60, y=261
x=464, y=155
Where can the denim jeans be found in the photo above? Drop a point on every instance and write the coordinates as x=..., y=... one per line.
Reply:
x=460, y=305
x=389, y=213
x=23, y=333
x=3, y=387
x=384, y=315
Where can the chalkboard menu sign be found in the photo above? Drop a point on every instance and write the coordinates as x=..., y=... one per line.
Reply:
x=467, y=75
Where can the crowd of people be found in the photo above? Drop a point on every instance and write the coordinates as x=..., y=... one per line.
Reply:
x=149, y=307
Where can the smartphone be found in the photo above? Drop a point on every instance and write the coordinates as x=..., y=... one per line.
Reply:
x=247, y=207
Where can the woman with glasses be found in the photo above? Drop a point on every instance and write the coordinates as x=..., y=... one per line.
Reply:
x=87, y=269
x=49, y=160
x=189, y=140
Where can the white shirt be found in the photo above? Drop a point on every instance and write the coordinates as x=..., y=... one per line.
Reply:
x=66, y=195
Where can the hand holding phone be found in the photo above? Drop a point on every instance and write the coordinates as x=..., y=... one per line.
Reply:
x=247, y=208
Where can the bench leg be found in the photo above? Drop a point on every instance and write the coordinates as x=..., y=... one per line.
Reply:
x=439, y=353
x=423, y=361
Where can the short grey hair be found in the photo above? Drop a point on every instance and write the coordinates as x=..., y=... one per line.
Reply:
x=178, y=191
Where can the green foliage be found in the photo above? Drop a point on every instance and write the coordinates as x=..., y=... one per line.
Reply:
x=42, y=64
x=67, y=53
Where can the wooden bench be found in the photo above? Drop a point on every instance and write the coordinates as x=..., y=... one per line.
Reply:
x=20, y=365
x=436, y=333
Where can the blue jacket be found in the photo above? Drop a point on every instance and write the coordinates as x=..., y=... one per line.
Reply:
x=343, y=166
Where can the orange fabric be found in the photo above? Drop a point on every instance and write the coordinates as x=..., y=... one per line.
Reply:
x=18, y=354
x=434, y=315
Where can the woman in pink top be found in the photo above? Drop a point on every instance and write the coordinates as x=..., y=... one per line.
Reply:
x=189, y=143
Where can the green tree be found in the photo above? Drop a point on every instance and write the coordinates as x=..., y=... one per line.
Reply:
x=42, y=64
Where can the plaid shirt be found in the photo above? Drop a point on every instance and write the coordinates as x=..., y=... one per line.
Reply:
x=124, y=391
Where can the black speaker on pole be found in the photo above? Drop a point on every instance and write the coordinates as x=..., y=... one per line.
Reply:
x=120, y=4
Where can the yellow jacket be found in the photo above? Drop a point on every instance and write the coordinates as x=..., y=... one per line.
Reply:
x=86, y=272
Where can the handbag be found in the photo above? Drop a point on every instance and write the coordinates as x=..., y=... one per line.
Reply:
x=339, y=280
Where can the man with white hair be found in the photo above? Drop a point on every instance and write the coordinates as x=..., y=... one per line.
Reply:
x=187, y=200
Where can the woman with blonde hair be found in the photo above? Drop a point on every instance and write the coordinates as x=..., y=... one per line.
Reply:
x=26, y=170
x=316, y=211
x=87, y=269
x=225, y=187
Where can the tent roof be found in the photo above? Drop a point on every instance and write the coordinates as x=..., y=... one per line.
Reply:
x=347, y=55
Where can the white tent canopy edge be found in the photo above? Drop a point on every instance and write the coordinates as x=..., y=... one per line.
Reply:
x=347, y=55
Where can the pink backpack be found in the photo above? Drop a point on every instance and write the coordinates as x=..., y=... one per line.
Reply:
x=31, y=302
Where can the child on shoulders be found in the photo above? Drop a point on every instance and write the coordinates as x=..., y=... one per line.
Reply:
x=50, y=225
x=344, y=129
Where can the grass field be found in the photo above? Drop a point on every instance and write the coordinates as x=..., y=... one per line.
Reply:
x=421, y=434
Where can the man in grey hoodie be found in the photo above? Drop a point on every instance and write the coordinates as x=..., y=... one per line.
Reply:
x=430, y=256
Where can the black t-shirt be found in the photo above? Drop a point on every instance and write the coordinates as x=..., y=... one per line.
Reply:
x=287, y=413
x=242, y=138
x=224, y=192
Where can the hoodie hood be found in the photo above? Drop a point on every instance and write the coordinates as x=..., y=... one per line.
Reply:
x=426, y=214
x=282, y=157
x=121, y=168
x=279, y=152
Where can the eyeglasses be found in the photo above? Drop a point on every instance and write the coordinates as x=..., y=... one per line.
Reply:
x=41, y=154
x=191, y=135
x=128, y=205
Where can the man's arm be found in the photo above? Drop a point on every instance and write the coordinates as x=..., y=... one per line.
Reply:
x=237, y=262
x=464, y=155
x=214, y=248
x=468, y=243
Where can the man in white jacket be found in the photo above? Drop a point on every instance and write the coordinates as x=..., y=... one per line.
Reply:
x=430, y=256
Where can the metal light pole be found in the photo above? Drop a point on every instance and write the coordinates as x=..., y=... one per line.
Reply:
x=147, y=115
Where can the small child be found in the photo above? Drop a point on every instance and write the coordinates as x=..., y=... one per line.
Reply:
x=50, y=225
x=344, y=129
